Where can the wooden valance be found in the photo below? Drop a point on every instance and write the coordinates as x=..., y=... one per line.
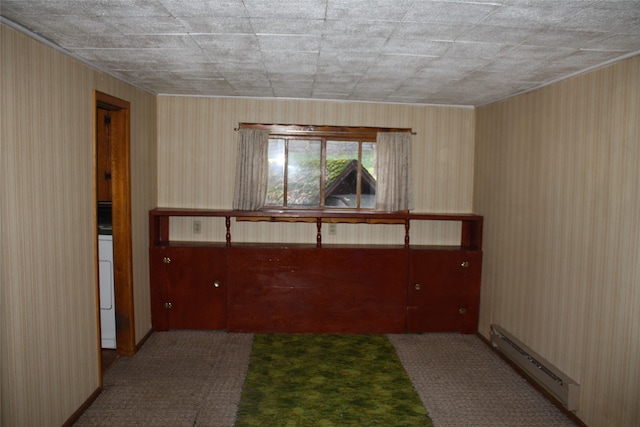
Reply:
x=345, y=132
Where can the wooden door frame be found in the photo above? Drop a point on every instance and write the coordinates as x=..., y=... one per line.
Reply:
x=121, y=217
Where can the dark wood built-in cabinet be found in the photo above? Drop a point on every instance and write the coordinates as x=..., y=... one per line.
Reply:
x=189, y=287
x=304, y=288
x=444, y=290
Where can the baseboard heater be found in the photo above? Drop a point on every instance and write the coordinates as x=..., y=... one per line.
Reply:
x=563, y=388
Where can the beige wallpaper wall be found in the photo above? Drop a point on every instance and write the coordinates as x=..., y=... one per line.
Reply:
x=196, y=162
x=558, y=179
x=48, y=318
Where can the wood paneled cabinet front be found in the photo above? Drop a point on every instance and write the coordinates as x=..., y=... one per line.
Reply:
x=314, y=288
x=188, y=285
x=444, y=290
x=317, y=290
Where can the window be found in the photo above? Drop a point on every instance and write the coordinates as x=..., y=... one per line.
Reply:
x=321, y=172
x=321, y=167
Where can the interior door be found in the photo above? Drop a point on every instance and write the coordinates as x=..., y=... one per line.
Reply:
x=118, y=131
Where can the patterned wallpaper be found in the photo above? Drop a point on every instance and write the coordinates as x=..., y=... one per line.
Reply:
x=48, y=326
x=558, y=179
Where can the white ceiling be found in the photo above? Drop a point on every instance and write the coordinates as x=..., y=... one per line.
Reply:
x=453, y=52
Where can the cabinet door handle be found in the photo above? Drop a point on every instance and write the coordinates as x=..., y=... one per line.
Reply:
x=464, y=264
x=462, y=311
x=417, y=286
x=216, y=284
x=166, y=260
x=167, y=305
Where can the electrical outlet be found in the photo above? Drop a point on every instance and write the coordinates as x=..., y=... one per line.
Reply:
x=197, y=226
x=332, y=229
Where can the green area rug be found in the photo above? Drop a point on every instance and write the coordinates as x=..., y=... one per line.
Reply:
x=327, y=380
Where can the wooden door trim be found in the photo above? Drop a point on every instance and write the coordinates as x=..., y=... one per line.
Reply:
x=121, y=214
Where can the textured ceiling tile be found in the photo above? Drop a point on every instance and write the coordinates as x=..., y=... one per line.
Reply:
x=361, y=28
x=300, y=63
x=238, y=67
x=428, y=51
x=288, y=42
x=120, y=8
x=449, y=12
x=209, y=73
x=208, y=84
x=619, y=42
x=416, y=46
x=368, y=9
x=215, y=25
x=541, y=15
x=346, y=43
x=504, y=35
x=234, y=44
x=536, y=54
x=334, y=87
x=62, y=26
x=565, y=38
x=596, y=19
x=292, y=9
x=429, y=31
x=246, y=86
x=156, y=25
x=476, y=50
x=246, y=80
x=387, y=65
x=337, y=77
x=213, y=9
x=335, y=63
x=616, y=4
x=287, y=26
x=633, y=29
x=551, y=72
x=587, y=58
x=383, y=80
x=300, y=80
x=451, y=68
x=128, y=59
x=118, y=41
x=511, y=68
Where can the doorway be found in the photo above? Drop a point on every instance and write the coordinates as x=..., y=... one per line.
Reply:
x=113, y=183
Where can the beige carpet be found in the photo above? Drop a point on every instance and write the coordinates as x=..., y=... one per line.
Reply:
x=178, y=378
x=195, y=378
x=462, y=382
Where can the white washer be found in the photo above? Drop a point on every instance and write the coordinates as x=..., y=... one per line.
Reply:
x=107, y=306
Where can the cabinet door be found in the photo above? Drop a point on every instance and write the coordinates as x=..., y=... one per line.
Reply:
x=311, y=290
x=443, y=294
x=195, y=288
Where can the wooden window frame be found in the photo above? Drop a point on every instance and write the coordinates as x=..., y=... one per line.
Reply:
x=323, y=133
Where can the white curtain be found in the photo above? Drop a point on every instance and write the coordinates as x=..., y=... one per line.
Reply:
x=393, y=167
x=252, y=169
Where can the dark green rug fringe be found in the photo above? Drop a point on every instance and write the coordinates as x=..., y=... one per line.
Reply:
x=304, y=380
